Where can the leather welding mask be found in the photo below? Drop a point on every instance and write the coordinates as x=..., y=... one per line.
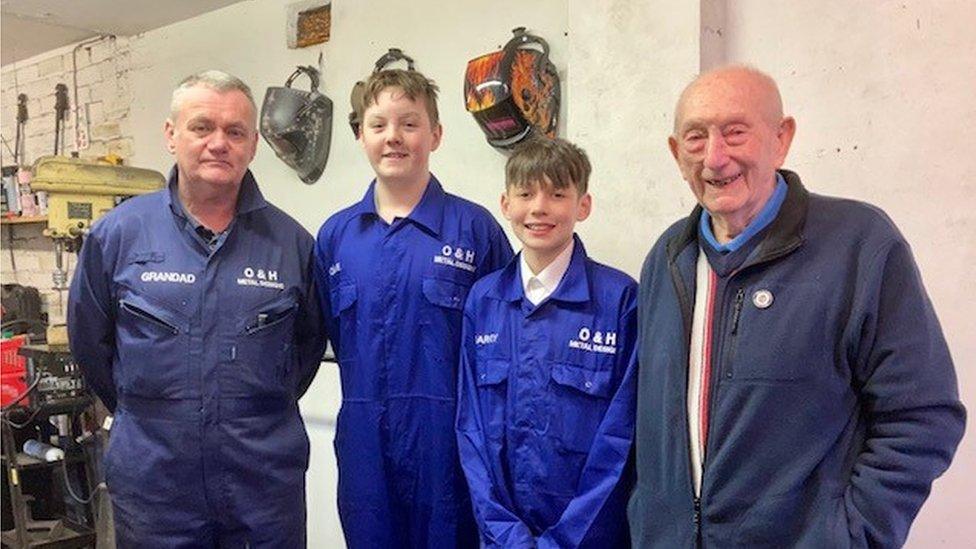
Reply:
x=359, y=88
x=514, y=93
x=297, y=125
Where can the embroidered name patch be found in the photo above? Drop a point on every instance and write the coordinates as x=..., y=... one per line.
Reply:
x=595, y=342
x=179, y=278
x=485, y=339
x=456, y=257
x=260, y=278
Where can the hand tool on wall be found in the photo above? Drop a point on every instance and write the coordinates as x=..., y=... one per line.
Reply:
x=21, y=138
x=61, y=109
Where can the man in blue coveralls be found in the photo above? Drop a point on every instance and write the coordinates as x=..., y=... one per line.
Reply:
x=548, y=371
x=194, y=317
x=393, y=272
x=795, y=386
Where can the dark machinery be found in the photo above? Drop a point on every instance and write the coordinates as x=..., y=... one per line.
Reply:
x=50, y=498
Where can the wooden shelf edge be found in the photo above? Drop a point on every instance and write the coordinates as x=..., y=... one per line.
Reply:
x=21, y=220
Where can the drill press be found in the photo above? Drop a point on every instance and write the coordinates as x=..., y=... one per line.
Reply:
x=80, y=192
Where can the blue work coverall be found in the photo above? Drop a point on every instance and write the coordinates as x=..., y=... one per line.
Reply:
x=546, y=407
x=201, y=355
x=392, y=295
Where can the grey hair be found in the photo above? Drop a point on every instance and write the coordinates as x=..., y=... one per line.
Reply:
x=216, y=80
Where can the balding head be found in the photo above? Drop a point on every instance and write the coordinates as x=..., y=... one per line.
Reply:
x=760, y=85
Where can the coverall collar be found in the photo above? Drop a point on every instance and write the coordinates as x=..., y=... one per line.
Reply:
x=249, y=197
x=574, y=287
x=429, y=212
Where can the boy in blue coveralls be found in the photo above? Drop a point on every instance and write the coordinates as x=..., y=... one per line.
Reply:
x=393, y=272
x=548, y=371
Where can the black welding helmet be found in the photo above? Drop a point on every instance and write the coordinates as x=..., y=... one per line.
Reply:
x=297, y=125
x=359, y=88
x=514, y=93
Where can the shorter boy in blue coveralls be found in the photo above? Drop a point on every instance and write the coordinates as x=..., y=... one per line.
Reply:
x=548, y=370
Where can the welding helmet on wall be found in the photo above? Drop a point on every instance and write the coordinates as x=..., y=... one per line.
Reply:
x=297, y=125
x=359, y=88
x=514, y=93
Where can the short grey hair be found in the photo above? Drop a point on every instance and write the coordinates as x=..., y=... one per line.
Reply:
x=216, y=80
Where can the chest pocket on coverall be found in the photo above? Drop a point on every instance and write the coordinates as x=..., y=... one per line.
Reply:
x=492, y=381
x=343, y=300
x=441, y=329
x=580, y=397
x=152, y=347
x=265, y=345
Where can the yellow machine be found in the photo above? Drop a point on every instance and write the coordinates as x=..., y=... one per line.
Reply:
x=79, y=192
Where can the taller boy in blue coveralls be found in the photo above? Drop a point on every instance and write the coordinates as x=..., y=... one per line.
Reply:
x=393, y=273
x=548, y=371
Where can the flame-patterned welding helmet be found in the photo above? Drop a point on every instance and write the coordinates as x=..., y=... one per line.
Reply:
x=297, y=125
x=514, y=93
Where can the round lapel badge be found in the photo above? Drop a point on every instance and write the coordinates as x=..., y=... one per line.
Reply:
x=762, y=299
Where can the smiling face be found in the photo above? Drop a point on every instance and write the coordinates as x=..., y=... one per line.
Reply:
x=730, y=138
x=543, y=217
x=213, y=136
x=398, y=137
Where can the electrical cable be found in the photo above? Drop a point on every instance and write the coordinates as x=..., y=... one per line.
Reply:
x=32, y=322
x=71, y=492
x=20, y=425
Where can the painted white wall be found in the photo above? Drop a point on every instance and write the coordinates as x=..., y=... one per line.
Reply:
x=627, y=61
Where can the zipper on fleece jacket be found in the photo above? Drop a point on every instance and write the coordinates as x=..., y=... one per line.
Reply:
x=737, y=310
x=718, y=363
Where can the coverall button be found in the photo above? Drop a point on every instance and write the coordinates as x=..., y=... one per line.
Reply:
x=483, y=376
x=589, y=384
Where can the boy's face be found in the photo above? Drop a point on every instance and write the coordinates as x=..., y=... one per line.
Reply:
x=543, y=217
x=398, y=138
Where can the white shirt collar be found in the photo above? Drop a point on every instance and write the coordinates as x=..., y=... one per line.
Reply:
x=539, y=287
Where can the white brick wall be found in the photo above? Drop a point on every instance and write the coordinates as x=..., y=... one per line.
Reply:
x=104, y=96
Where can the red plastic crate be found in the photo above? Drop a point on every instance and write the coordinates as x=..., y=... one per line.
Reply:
x=13, y=370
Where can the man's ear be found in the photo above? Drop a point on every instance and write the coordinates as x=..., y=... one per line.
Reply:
x=787, y=129
x=169, y=133
x=254, y=145
x=673, y=146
